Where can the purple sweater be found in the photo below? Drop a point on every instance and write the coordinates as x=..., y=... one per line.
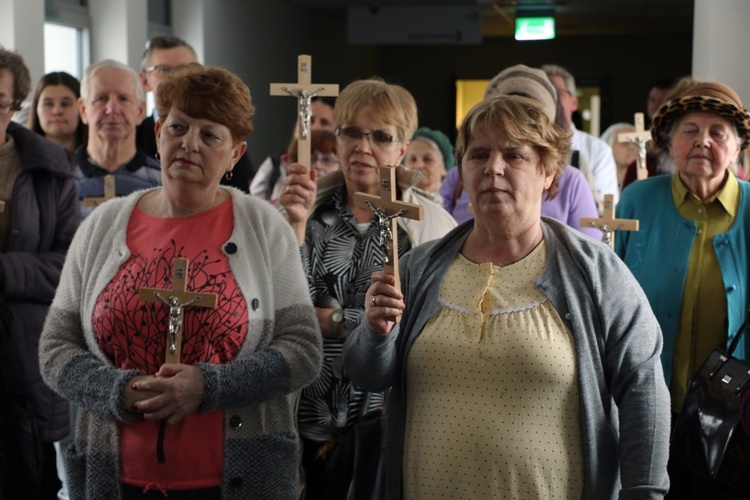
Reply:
x=574, y=201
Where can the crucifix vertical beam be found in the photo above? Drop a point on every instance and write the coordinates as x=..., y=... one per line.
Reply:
x=177, y=299
x=608, y=224
x=109, y=193
x=387, y=209
x=640, y=137
x=304, y=90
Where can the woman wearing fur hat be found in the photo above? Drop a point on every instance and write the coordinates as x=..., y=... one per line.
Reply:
x=691, y=253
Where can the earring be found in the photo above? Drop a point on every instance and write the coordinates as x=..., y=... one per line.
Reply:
x=228, y=176
x=156, y=156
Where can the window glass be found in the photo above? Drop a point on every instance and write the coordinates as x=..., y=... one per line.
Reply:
x=62, y=49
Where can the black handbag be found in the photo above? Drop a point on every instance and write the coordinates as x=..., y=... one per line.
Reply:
x=708, y=435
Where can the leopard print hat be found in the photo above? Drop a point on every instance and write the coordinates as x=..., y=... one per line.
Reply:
x=713, y=97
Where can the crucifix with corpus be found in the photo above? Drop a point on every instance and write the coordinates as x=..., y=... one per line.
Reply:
x=387, y=209
x=177, y=299
x=109, y=193
x=607, y=224
x=640, y=137
x=304, y=91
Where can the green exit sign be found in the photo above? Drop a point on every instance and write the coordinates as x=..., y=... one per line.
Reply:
x=535, y=28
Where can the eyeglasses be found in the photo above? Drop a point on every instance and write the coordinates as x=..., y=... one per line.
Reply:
x=354, y=134
x=163, y=69
x=326, y=160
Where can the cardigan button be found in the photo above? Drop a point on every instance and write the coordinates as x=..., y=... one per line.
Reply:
x=236, y=482
x=235, y=422
x=731, y=288
x=230, y=248
x=255, y=304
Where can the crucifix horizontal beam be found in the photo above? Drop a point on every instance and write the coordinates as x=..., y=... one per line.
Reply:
x=640, y=137
x=608, y=224
x=177, y=299
x=387, y=209
x=304, y=90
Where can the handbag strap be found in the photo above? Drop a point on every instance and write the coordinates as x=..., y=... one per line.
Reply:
x=732, y=346
x=740, y=332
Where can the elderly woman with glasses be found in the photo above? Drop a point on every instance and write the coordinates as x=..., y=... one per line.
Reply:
x=374, y=121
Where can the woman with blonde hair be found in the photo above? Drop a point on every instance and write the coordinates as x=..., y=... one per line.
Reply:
x=526, y=361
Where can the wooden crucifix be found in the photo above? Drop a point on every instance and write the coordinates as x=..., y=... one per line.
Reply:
x=304, y=91
x=177, y=299
x=608, y=224
x=109, y=193
x=387, y=209
x=640, y=137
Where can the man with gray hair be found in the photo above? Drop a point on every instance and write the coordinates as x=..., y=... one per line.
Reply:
x=597, y=151
x=112, y=104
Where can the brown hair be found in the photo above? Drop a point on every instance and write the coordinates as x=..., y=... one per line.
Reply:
x=322, y=140
x=523, y=121
x=56, y=78
x=13, y=62
x=212, y=93
x=392, y=104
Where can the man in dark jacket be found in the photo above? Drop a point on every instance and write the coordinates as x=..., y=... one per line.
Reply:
x=40, y=213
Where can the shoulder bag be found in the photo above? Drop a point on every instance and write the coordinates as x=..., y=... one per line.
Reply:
x=708, y=435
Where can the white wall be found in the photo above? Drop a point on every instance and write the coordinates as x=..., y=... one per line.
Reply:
x=118, y=30
x=22, y=30
x=260, y=40
x=721, y=37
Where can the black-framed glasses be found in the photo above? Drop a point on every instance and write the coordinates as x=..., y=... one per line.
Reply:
x=350, y=133
x=163, y=69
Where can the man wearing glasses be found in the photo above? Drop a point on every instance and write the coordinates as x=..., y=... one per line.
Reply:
x=597, y=151
x=162, y=55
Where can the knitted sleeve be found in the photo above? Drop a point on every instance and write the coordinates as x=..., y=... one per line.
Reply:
x=291, y=351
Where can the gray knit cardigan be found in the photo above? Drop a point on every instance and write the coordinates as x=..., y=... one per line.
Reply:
x=280, y=355
x=624, y=401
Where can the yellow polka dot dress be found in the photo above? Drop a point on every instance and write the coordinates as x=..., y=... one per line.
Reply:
x=492, y=391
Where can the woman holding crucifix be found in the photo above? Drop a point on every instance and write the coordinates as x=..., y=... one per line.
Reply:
x=526, y=363
x=218, y=418
x=340, y=250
